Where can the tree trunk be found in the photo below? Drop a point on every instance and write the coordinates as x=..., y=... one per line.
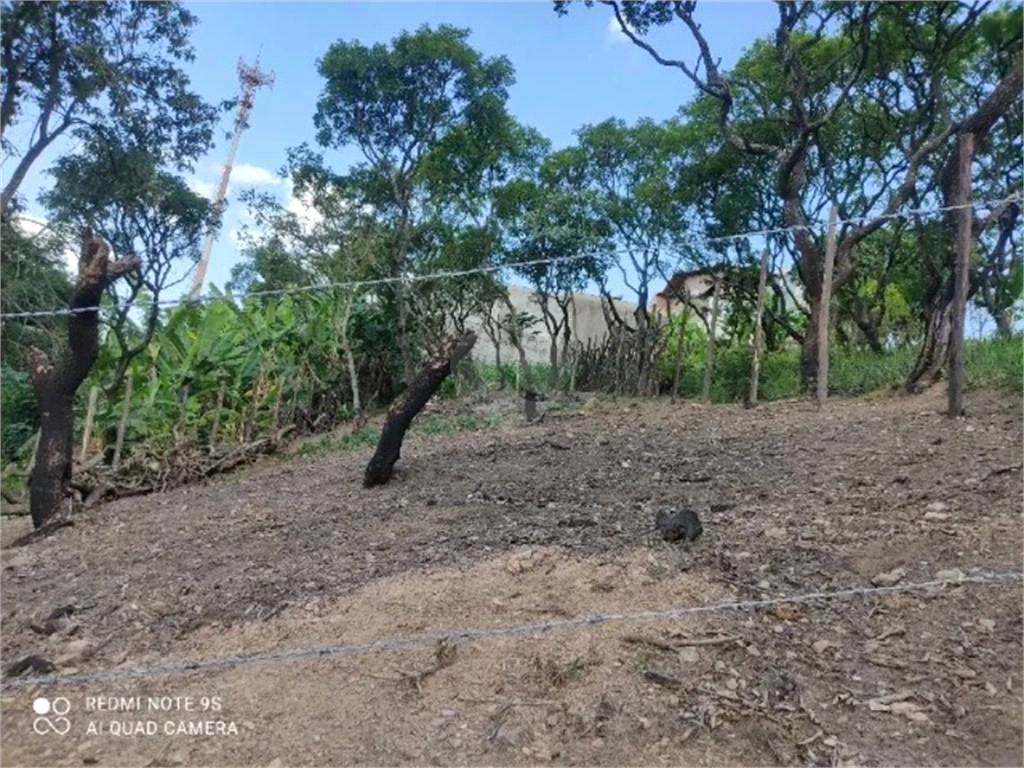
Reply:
x=935, y=347
x=809, y=347
x=709, y=358
x=404, y=342
x=553, y=361
x=350, y=359
x=410, y=403
x=524, y=379
x=755, y=367
x=55, y=386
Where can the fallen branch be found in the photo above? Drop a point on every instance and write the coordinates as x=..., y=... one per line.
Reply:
x=663, y=680
x=687, y=642
x=661, y=645
x=1004, y=470
x=444, y=656
x=146, y=473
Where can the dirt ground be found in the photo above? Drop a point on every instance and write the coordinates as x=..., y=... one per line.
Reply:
x=284, y=615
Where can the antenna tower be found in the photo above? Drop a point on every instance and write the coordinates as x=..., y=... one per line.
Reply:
x=251, y=78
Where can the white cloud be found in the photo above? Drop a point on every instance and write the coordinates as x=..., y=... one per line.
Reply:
x=615, y=33
x=200, y=187
x=244, y=173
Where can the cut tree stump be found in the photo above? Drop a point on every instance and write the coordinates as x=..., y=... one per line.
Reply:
x=410, y=403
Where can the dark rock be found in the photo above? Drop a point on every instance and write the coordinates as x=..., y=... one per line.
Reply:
x=674, y=526
x=32, y=663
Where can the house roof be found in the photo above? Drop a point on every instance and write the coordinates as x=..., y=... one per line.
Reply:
x=678, y=281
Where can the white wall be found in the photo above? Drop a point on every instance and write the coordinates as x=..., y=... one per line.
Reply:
x=588, y=324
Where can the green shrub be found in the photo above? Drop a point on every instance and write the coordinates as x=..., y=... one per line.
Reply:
x=18, y=416
x=995, y=362
x=857, y=372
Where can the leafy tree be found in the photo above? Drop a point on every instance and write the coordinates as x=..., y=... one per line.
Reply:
x=630, y=175
x=546, y=222
x=797, y=101
x=268, y=265
x=76, y=69
x=106, y=74
x=874, y=308
x=984, y=113
x=428, y=95
x=341, y=245
x=141, y=210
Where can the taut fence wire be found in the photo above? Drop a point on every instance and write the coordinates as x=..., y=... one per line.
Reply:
x=447, y=275
x=428, y=638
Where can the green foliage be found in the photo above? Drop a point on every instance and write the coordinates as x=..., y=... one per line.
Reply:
x=272, y=363
x=85, y=69
x=411, y=93
x=628, y=177
x=18, y=416
x=140, y=209
x=34, y=279
x=350, y=441
x=852, y=372
x=995, y=362
x=694, y=340
x=860, y=371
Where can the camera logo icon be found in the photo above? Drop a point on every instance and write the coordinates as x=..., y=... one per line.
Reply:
x=44, y=724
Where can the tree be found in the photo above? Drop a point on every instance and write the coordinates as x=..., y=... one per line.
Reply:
x=544, y=222
x=55, y=384
x=402, y=105
x=934, y=354
x=630, y=177
x=78, y=68
x=105, y=74
x=784, y=102
x=141, y=209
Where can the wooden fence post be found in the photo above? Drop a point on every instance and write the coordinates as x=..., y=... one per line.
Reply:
x=123, y=423
x=961, y=273
x=90, y=415
x=681, y=345
x=826, y=302
x=755, y=368
x=709, y=358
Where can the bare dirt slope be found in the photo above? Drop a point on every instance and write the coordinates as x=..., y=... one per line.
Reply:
x=546, y=525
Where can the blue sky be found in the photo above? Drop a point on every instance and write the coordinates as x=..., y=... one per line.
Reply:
x=570, y=71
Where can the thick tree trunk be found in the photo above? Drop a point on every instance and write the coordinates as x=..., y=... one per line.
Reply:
x=935, y=347
x=55, y=386
x=410, y=403
x=809, y=347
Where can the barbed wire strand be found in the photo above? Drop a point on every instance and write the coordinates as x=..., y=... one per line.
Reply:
x=398, y=643
x=445, y=275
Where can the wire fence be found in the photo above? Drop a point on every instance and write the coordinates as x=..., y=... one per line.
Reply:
x=492, y=268
x=589, y=620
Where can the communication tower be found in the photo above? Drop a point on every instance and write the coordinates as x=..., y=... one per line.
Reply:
x=251, y=78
